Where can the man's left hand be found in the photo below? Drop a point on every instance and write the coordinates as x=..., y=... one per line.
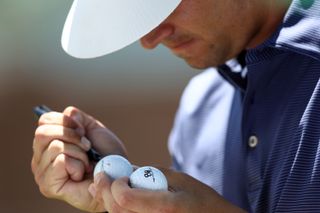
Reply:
x=185, y=195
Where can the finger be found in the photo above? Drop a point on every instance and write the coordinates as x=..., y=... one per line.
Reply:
x=35, y=170
x=52, y=179
x=102, y=185
x=82, y=118
x=75, y=168
x=56, y=148
x=56, y=183
x=57, y=118
x=93, y=193
x=103, y=194
x=97, y=132
x=75, y=192
x=53, y=182
x=46, y=133
x=139, y=200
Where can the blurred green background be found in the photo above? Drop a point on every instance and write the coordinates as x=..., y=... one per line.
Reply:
x=134, y=92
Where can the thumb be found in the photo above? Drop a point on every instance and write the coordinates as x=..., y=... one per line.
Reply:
x=102, y=185
x=101, y=191
x=84, y=120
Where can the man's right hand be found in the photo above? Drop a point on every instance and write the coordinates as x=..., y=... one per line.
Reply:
x=60, y=164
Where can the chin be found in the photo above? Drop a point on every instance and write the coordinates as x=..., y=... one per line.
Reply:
x=197, y=65
x=201, y=63
x=204, y=58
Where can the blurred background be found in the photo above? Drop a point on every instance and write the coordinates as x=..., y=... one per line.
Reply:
x=134, y=92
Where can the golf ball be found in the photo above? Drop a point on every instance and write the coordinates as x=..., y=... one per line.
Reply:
x=115, y=166
x=148, y=177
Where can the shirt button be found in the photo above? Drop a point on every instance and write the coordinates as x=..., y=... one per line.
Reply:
x=253, y=141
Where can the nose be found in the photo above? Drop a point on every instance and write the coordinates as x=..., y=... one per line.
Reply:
x=156, y=36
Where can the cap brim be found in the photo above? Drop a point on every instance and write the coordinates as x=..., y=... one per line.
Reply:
x=98, y=27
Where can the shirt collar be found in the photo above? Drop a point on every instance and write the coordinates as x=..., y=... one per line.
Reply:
x=235, y=71
x=299, y=31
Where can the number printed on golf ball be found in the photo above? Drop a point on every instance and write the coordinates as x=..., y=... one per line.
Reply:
x=115, y=166
x=148, y=177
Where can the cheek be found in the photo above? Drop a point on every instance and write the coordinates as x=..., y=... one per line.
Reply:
x=199, y=30
x=191, y=18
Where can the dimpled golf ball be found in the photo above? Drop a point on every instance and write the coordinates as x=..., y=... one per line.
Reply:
x=115, y=166
x=148, y=177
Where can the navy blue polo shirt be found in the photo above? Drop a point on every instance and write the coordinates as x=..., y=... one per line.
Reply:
x=272, y=150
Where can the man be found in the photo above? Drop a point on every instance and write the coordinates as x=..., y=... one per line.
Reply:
x=272, y=143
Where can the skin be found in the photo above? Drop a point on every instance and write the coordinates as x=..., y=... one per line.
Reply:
x=210, y=32
x=62, y=171
x=180, y=198
x=60, y=165
x=204, y=33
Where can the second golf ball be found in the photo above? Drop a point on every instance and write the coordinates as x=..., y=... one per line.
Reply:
x=148, y=178
x=115, y=166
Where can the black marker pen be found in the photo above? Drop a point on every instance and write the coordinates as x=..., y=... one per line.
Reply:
x=92, y=154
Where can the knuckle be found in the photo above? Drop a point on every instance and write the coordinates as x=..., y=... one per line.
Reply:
x=40, y=133
x=59, y=161
x=74, y=113
x=70, y=110
x=44, y=118
x=55, y=146
x=61, y=158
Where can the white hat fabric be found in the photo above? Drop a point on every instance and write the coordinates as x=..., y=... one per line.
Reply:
x=98, y=27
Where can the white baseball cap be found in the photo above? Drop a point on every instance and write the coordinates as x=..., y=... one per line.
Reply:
x=98, y=27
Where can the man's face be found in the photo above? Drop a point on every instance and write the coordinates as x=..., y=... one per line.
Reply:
x=204, y=32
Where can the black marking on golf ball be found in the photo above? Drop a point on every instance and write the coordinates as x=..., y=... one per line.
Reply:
x=102, y=165
x=148, y=173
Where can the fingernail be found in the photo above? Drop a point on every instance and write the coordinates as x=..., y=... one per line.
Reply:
x=92, y=190
x=86, y=143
